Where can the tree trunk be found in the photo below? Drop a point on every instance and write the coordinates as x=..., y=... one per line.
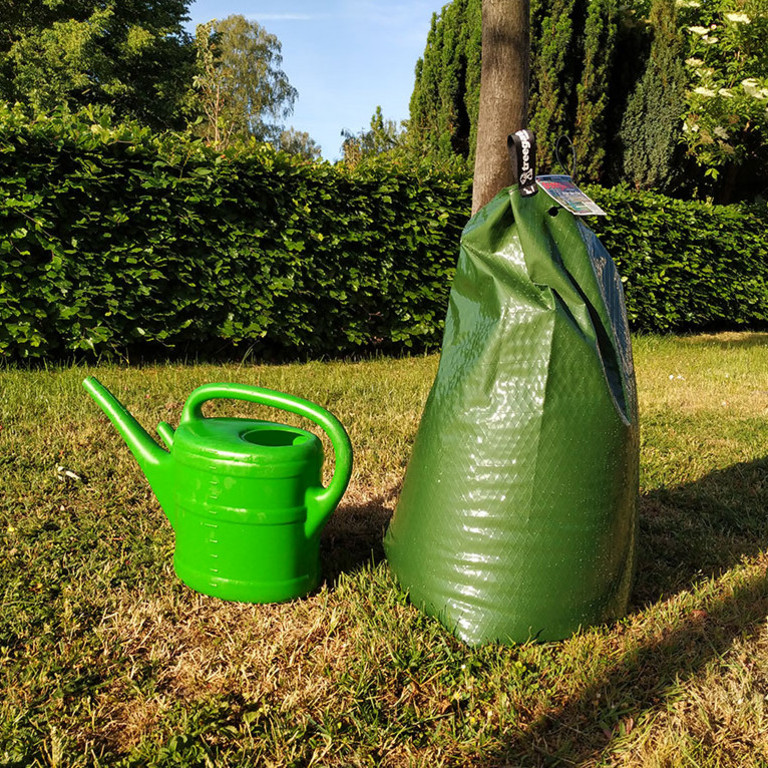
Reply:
x=503, y=93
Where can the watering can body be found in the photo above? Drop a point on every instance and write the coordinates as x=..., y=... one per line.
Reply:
x=245, y=497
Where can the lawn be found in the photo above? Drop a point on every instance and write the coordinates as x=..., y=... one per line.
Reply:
x=106, y=659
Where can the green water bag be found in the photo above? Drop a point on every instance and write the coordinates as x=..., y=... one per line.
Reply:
x=517, y=518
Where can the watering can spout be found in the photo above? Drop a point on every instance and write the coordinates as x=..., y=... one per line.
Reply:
x=153, y=460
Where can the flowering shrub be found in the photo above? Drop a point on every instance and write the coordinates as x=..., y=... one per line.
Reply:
x=727, y=117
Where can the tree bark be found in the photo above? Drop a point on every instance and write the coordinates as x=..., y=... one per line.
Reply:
x=503, y=93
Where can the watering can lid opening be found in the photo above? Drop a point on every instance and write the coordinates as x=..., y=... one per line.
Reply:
x=245, y=439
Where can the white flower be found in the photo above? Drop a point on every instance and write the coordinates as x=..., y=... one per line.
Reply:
x=699, y=30
x=726, y=92
x=710, y=40
x=690, y=127
x=750, y=86
x=738, y=17
x=694, y=62
x=720, y=132
x=703, y=91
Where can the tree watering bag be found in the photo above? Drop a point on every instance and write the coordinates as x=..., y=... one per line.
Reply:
x=517, y=518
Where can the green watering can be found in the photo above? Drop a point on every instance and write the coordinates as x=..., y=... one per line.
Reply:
x=244, y=497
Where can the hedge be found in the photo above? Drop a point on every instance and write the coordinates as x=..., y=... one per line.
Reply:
x=113, y=239
x=687, y=266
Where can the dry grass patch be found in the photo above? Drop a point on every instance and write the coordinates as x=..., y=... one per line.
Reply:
x=201, y=648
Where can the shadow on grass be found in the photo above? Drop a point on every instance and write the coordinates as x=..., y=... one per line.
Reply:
x=701, y=529
x=640, y=682
x=353, y=536
x=728, y=340
x=687, y=534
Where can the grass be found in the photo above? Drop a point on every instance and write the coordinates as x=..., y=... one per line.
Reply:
x=107, y=660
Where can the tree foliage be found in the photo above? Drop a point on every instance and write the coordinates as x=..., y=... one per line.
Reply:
x=620, y=80
x=591, y=129
x=571, y=49
x=382, y=137
x=554, y=73
x=651, y=127
x=299, y=143
x=240, y=88
x=134, y=58
x=446, y=94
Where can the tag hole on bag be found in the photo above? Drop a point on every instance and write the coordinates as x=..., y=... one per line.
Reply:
x=553, y=211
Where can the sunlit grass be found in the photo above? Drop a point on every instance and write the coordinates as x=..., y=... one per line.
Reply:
x=106, y=659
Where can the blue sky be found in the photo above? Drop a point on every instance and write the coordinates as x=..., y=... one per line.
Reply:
x=344, y=57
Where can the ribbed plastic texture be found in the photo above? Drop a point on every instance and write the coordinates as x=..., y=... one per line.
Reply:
x=517, y=518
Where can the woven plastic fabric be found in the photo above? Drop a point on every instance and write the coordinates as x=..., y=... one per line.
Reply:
x=517, y=518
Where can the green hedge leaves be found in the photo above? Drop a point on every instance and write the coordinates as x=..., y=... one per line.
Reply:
x=114, y=239
x=687, y=266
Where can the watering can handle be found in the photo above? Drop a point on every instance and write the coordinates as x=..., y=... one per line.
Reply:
x=326, y=499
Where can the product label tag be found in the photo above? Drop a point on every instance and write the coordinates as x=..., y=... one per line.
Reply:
x=565, y=193
x=522, y=154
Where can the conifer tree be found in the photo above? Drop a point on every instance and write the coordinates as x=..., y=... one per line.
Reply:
x=590, y=130
x=652, y=122
x=472, y=78
x=454, y=119
x=555, y=72
x=574, y=88
x=424, y=105
x=443, y=108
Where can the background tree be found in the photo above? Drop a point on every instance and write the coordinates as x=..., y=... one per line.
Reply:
x=133, y=57
x=443, y=109
x=652, y=124
x=208, y=94
x=554, y=73
x=631, y=50
x=573, y=62
x=444, y=103
x=382, y=136
x=590, y=137
x=299, y=143
x=240, y=88
x=503, y=93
